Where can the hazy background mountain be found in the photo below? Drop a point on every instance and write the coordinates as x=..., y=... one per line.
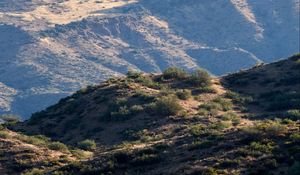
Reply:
x=49, y=49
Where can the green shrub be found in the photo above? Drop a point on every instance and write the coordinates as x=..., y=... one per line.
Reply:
x=184, y=94
x=121, y=114
x=175, y=73
x=225, y=104
x=265, y=129
x=58, y=146
x=197, y=130
x=8, y=118
x=294, y=114
x=133, y=74
x=34, y=140
x=146, y=159
x=265, y=148
x=295, y=137
x=4, y=135
x=167, y=105
x=206, y=89
x=230, y=116
x=200, y=78
x=220, y=125
x=136, y=109
x=147, y=81
x=87, y=144
x=34, y=171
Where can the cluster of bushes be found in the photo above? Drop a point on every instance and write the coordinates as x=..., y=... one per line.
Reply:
x=167, y=105
x=143, y=79
x=175, y=73
x=212, y=108
x=184, y=94
x=199, y=77
x=265, y=129
x=230, y=116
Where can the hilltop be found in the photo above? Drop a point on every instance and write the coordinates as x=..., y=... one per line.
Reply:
x=49, y=49
x=181, y=123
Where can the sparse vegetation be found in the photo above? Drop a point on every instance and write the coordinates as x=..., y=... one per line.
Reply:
x=57, y=146
x=143, y=121
x=167, y=105
x=175, y=73
x=87, y=144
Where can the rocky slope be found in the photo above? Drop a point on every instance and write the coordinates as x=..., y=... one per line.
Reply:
x=181, y=123
x=50, y=48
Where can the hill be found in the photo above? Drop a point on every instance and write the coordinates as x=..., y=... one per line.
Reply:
x=182, y=123
x=49, y=49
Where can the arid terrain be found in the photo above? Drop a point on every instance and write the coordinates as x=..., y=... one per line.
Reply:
x=51, y=48
x=171, y=123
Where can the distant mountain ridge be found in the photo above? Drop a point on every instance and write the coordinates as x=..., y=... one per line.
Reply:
x=52, y=48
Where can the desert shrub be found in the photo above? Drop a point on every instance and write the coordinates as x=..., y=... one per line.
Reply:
x=197, y=130
x=133, y=74
x=122, y=114
x=206, y=89
x=230, y=116
x=10, y=119
x=147, y=81
x=265, y=129
x=200, y=78
x=4, y=134
x=226, y=163
x=265, y=148
x=34, y=171
x=136, y=109
x=143, y=95
x=220, y=125
x=85, y=90
x=175, y=73
x=294, y=114
x=295, y=137
x=87, y=144
x=225, y=104
x=167, y=105
x=81, y=154
x=184, y=94
x=201, y=145
x=146, y=159
x=58, y=146
x=35, y=140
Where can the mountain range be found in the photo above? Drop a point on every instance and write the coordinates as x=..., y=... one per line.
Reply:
x=49, y=49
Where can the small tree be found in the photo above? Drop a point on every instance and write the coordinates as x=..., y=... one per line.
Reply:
x=175, y=73
x=200, y=78
x=168, y=105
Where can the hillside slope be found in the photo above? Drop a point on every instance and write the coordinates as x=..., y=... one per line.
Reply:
x=49, y=49
x=181, y=123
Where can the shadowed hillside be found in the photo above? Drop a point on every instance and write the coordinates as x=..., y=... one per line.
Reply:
x=181, y=123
